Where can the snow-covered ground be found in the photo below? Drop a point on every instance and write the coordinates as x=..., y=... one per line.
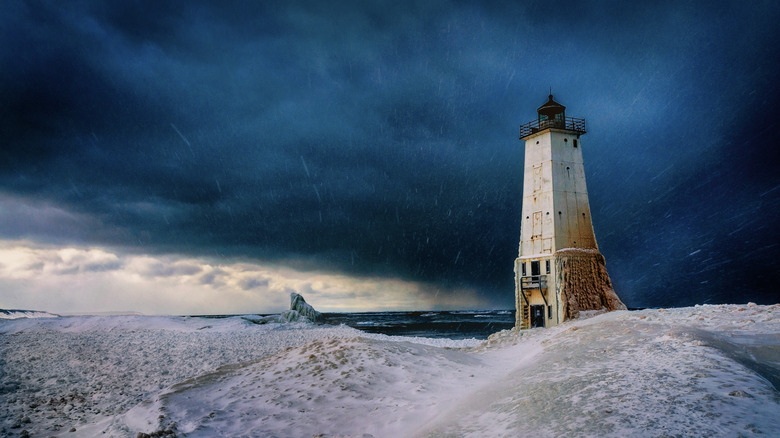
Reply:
x=14, y=314
x=701, y=371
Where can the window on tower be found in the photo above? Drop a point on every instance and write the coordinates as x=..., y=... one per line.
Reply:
x=547, y=266
x=523, y=265
x=575, y=143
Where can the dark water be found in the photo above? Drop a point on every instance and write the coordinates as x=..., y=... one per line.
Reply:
x=452, y=325
x=477, y=324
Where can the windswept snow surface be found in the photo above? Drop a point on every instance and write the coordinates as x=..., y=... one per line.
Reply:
x=703, y=371
x=15, y=314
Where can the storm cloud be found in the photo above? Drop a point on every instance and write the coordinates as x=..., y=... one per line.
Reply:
x=380, y=140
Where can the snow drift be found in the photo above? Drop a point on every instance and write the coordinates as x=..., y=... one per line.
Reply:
x=15, y=314
x=704, y=371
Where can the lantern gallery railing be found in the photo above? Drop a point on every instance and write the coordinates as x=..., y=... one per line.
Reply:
x=570, y=123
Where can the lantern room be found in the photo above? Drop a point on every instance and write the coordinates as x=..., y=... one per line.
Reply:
x=552, y=114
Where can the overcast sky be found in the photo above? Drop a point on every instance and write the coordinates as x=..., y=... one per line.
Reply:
x=197, y=157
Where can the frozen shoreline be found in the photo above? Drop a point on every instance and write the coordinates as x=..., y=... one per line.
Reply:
x=700, y=370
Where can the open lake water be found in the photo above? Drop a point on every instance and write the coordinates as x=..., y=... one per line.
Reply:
x=452, y=325
x=466, y=324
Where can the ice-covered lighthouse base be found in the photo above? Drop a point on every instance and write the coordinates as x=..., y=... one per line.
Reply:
x=577, y=281
x=583, y=283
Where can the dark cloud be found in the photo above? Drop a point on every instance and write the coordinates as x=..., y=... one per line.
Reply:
x=160, y=269
x=253, y=282
x=214, y=277
x=382, y=140
x=102, y=266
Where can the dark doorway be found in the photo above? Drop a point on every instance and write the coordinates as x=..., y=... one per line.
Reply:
x=537, y=316
x=535, y=268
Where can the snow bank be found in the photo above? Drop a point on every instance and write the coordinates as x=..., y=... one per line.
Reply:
x=701, y=371
x=666, y=372
x=59, y=373
x=350, y=386
x=15, y=314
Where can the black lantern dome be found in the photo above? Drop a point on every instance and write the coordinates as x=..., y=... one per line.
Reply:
x=553, y=113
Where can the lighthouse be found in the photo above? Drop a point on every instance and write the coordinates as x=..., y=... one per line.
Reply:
x=559, y=270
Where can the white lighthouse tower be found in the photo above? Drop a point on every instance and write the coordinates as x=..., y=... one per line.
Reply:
x=559, y=270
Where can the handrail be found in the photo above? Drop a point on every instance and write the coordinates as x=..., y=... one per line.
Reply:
x=530, y=279
x=541, y=284
x=569, y=123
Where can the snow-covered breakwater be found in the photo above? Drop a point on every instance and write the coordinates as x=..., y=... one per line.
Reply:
x=704, y=371
x=83, y=372
x=57, y=374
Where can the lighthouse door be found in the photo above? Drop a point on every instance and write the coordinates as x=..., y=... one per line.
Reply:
x=537, y=316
